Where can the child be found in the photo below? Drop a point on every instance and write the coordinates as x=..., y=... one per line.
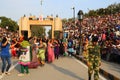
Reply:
x=24, y=59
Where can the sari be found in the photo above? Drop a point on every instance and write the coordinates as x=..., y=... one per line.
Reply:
x=50, y=53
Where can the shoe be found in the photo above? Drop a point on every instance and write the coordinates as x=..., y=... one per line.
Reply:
x=20, y=74
x=42, y=65
x=7, y=73
x=42, y=62
x=27, y=74
x=2, y=74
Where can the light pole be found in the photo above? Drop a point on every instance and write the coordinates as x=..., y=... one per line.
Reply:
x=41, y=14
x=41, y=2
x=80, y=18
x=73, y=20
x=73, y=15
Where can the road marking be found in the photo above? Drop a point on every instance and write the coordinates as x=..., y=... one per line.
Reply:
x=9, y=70
x=101, y=77
x=13, y=67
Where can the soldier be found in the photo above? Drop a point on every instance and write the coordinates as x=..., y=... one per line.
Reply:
x=93, y=58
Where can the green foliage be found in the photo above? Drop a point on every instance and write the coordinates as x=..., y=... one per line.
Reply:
x=111, y=9
x=64, y=21
x=12, y=25
x=50, y=33
x=38, y=31
x=92, y=13
x=70, y=20
x=57, y=34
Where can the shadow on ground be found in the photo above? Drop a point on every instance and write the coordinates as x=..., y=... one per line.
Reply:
x=66, y=72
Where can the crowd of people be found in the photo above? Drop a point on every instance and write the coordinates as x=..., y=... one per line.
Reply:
x=36, y=51
x=30, y=52
x=99, y=38
x=106, y=28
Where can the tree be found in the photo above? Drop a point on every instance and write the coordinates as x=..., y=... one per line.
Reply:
x=12, y=25
x=100, y=11
x=57, y=34
x=92, y=13
x=50, y=33
x=38, y=31
x=64, y=21
x=70, y=19
x=111, y=9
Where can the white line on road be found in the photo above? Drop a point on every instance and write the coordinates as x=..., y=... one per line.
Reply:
x=86, y=67
x=13, y=66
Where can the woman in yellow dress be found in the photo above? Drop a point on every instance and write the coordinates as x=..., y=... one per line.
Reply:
x=41, y=52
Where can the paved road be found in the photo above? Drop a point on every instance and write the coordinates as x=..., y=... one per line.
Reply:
x=66, y=68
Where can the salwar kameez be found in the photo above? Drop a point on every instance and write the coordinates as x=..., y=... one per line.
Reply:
x=24, y=60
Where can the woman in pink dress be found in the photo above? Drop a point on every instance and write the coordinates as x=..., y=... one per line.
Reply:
x=50, y=51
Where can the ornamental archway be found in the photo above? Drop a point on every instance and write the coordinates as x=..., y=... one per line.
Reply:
x=26, y=22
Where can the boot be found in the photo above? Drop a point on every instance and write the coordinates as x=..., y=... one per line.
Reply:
x=89, y=78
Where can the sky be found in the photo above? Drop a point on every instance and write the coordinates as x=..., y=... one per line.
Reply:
x=15, y=9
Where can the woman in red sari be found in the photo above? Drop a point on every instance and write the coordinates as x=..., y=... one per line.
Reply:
x=50, y=51
x=13, y=48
